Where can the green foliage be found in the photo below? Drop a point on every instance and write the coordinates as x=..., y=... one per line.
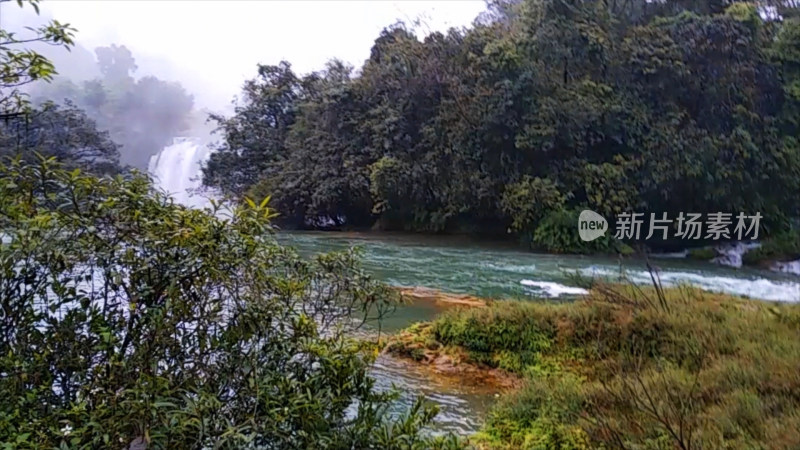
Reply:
x=539, y=416
x=781, y=247
x=624, y=249
x=633, y=367
x=557, y=233
x=255, y=136
x=702, y=254
x=529, y=200
x=127, y=318
x=20, y=66
x=63, y=132
x=745, y=12
x=511, y=331
x=541, y=106
x=383, y=183
x=787, y=56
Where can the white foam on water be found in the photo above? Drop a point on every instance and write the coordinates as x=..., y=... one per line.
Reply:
x=730, y=254
x=792, y=267
x=176, y=170
x=515, y=268
x=754, y=288
x=552, y=289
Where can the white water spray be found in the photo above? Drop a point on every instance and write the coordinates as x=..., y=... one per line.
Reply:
x=792, y=267
x=176, y=170
x=753, y=287
x=730, y=254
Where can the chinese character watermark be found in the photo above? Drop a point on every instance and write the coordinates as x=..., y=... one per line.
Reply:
x=712, y=226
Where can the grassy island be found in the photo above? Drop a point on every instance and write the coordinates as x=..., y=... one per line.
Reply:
x=629, y=367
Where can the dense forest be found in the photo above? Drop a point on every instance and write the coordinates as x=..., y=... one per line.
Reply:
x=64, y=132
x=540, y=108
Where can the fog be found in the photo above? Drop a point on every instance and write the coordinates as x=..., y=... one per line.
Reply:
x=211, y=47
x=148, y=72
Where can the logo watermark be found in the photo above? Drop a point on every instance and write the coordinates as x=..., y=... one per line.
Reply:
x=591, y=225
x=688, y=226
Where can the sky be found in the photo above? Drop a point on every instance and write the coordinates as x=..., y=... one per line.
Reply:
x=212, y=46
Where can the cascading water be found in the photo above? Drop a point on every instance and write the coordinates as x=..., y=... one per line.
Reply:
x=730, y=254
x=792, y=267
x=176, y=170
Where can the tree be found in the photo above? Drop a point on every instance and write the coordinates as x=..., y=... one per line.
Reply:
x=129, y=319
x=255, y=136
x=142, y=115
x=20, y=66
x=116, y=63
x=63, y=132
x=321, y=178
x=621, y=106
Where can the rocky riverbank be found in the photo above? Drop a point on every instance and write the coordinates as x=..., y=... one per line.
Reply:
x=451, y=362
x=439, y=298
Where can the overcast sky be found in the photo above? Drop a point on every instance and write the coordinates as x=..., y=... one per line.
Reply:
x=212, y=46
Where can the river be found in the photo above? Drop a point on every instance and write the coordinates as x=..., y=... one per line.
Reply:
x=498, y=270
x=460, y=265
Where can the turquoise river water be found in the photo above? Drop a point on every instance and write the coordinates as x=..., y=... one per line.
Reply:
x=499, y=271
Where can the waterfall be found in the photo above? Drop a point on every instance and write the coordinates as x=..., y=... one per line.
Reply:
x=176, y=170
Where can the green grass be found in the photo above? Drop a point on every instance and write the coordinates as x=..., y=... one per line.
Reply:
x=636, y=368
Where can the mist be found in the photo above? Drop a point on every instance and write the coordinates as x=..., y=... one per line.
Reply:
x=212, y=47
x=167, y=71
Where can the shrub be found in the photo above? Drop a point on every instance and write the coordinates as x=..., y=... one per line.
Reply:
x=638, y=367
x=557, y=232
x=528, y=200
x=508, y=336
x=540, y=415
x=702, y=254
x=126, y=318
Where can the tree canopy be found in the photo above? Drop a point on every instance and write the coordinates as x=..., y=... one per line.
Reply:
x=542, y=106
x=126, y=319
x=63, y=132
x=28, y=130
x=19, y=65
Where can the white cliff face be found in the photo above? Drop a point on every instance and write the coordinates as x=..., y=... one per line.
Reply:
x=176, y=170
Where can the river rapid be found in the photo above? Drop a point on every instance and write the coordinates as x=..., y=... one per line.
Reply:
x=498, y=270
